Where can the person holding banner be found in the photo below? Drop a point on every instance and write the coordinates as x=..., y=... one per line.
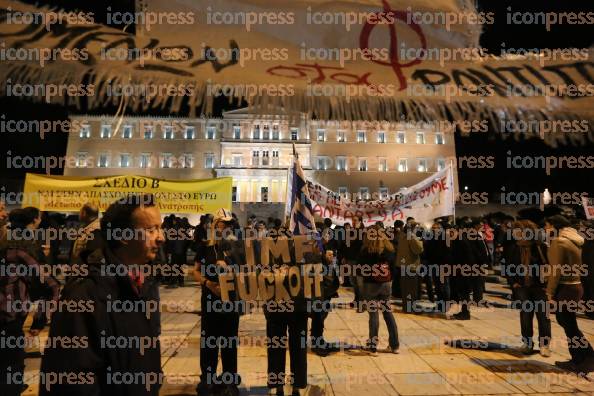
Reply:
x=220, y=320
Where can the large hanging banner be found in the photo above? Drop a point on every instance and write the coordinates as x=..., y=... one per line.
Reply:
x=356, y=60
x=69, y=194
x=431, y=198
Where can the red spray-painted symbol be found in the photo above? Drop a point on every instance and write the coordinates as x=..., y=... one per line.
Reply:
x=394, y=62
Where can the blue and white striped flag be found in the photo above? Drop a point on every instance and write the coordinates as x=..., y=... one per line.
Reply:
x=301, y=220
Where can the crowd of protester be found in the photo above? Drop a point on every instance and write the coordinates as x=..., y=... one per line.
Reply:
x=427, y=269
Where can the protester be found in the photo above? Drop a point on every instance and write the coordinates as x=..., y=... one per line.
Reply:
x=464, y=267
x=376, y=287
x=19, y=254
x=408, y=258
x=438, y=256
x=526, y=275
x=89, y=218
x=565, y=288
x=220, y=322
x=354, y=241
x=482, y=258
x=119, y=276
x=178, y=244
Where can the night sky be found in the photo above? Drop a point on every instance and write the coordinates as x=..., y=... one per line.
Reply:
x=490, y=180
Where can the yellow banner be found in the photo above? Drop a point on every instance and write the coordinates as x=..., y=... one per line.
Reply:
x=69, y=194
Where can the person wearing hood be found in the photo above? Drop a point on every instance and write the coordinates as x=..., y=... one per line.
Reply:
x=111, y=315
x=565, y=288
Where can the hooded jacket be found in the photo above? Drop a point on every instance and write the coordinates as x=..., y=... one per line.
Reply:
x=565, y=258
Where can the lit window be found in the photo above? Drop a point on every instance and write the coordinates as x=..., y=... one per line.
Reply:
x=209, y=160
x=166, y=160
x=81, y=159
x=422, y=167
x=275, y=132
x=363, y=164
x=168, y=132
x=145, y=160
x=294, y=134
x=187, y=160
x=127, y=132
x=401, y=137
x=322, y=163
x=190, y=133
x=124, y=160
x=256, y=132
x=439, y=138
x=148, y=131
x=361, y=137
x=211, y=133
x=234, y=193
x=383, y=192
x=441, y=164
x=321, y=135
x=105, y=131
x=341, y=163
x=236, y=132
x=420, y=138
x=342, y=191
x=255, y=158
x=275, y=158
x=403, y=165
x=85, y=131
x=103, y=161
x=265, y=158
x=264, y=194
x=383, y=165
x=381, y=137
x=364, y=192
x=341, y=136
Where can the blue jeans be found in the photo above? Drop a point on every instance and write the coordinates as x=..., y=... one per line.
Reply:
x=377, y=299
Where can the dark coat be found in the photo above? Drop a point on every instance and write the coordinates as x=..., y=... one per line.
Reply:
x=100, y=326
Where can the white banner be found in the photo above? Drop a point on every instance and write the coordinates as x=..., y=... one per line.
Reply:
x=433, y=197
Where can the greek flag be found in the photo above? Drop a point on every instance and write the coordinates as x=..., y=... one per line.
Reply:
x=301, y=220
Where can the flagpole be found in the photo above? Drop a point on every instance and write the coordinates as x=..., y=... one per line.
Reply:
x=453, y=189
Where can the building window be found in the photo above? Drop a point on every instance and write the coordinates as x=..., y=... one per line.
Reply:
x=420, y=137
x=211, y=133
x=85, y=132
x=103, y=161
x=209, y=160
x=266, y=133
x=422, y=166
x=439, y=138
x=322, y=163
x=145, y=160
x=294, y=134
x=275, y=132
x=166, y=160
x=148, y=131
x=382, y=165
x=81, y=159
x=236, y=157
x=190, y=133
x=363, y=164
x=265, y=158
x=342, y=191
x=321, y=135
x=127, y=132
x=124, y=160
x=234, y=194
x=383, y=192
x=255, y=158
x=187, y=160
x=441, y=164
x=236, y=132
x=364, y=192
x=341, y=136
x=105, y=131
x=381, y=137
x=264, y=194
x=275, y=158
x=256, y=132
x=401, y=137
x=361, y=137
x=403, y=165
x=168, y=132
x=341, y=163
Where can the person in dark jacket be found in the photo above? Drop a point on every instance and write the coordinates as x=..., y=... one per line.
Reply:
x=353, y=243
x=18, y=257
x=526, y=276
x=114, y=330
x=438, y=255
x=220, y=321
x=463, y=257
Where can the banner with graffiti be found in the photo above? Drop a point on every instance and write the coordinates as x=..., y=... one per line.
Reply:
x=431, y=198
x=69, y=194
x=357, y=60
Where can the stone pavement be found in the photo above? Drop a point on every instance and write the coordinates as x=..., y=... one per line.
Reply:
x=425, y=365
